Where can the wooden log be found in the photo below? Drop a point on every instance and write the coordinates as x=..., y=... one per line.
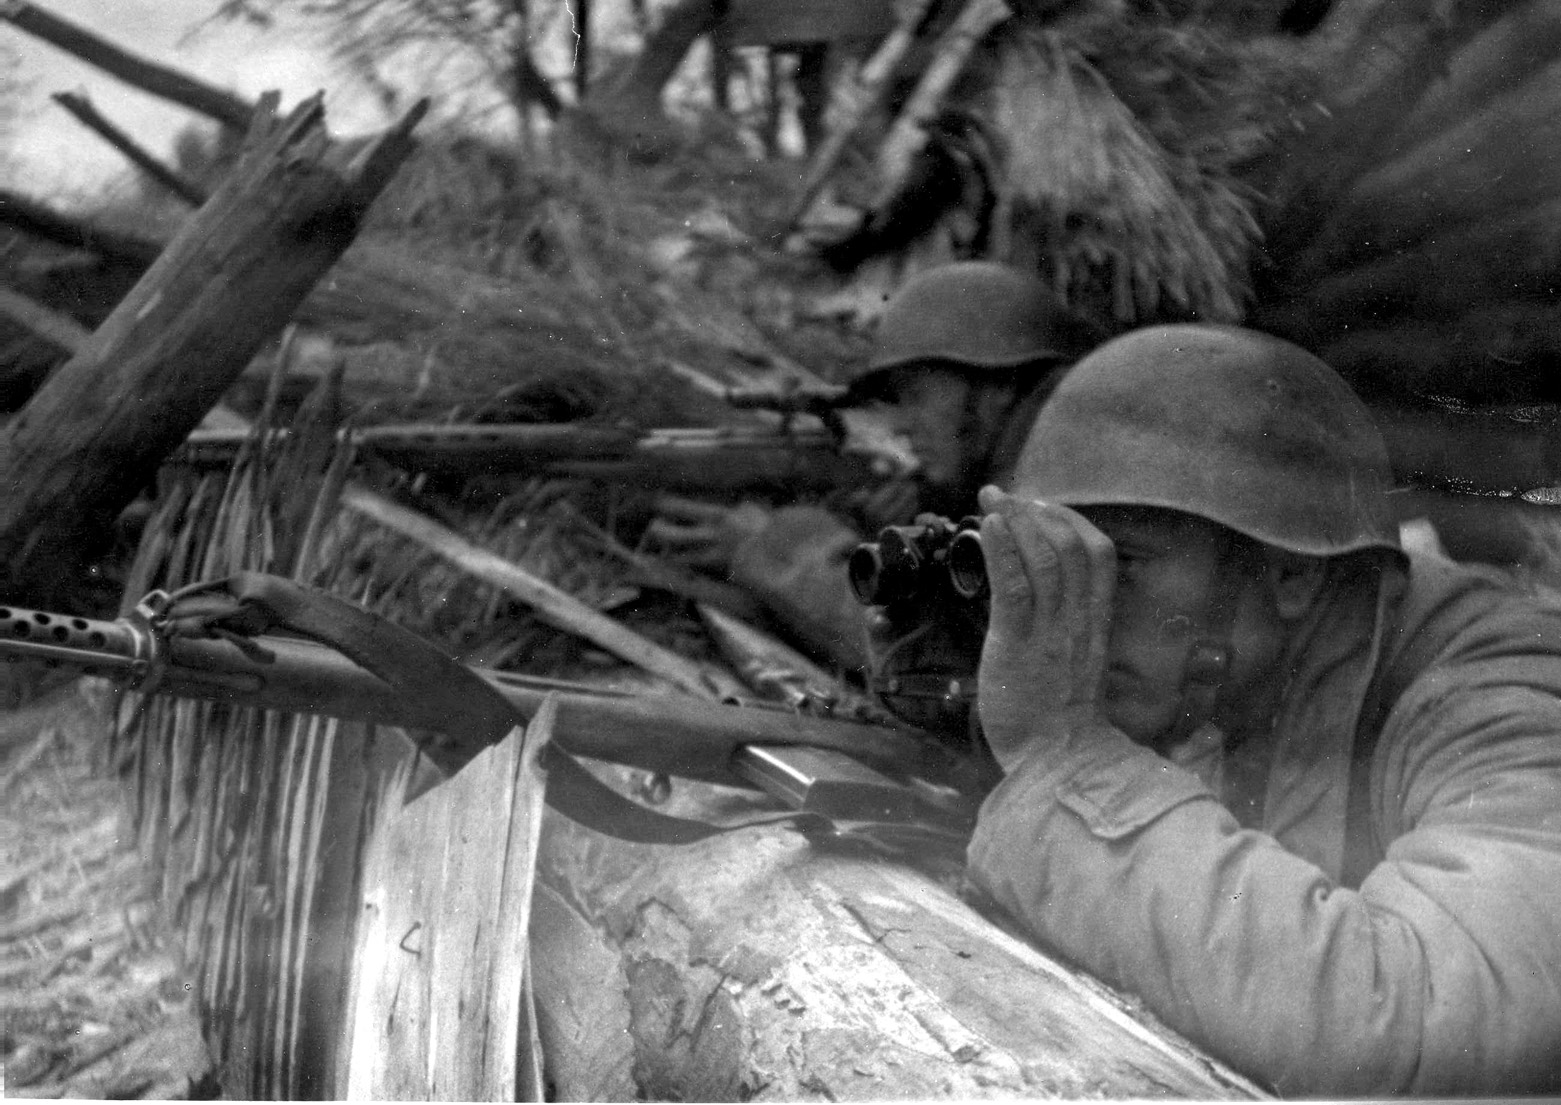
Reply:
x=559, y=607
x=62, y=330
x=42, y=221
x=96, y=431
x=159, y=80
x=953, y=50
x=94, y=120
x=759, y=966
x=854, y=98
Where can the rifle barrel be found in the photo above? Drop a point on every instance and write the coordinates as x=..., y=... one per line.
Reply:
x=670, y=734
x=705, y=457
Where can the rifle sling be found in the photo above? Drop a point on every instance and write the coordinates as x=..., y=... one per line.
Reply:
x=480, y=715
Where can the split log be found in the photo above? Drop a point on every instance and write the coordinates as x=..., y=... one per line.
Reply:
x=96, y=431
x=159, y=80
x=758, y=966
x=438, y=1007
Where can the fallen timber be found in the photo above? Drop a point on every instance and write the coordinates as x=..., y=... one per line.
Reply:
x=756, y=963
x=760, y=965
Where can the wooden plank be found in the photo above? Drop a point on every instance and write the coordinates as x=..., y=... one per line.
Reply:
x=438, y=1007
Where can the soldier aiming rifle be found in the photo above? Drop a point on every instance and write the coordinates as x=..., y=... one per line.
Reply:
x=965, y=355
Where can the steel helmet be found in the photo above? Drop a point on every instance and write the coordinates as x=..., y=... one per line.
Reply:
x=979, y=315
x=1235, y=426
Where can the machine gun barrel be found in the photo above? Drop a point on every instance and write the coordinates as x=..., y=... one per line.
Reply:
x=841, y=768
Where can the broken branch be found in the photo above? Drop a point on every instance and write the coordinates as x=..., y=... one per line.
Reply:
x=159, y=80
x=89, y=116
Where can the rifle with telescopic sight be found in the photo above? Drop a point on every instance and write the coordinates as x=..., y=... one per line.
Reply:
x=797, y=457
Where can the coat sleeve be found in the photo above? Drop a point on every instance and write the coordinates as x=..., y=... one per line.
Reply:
x=1441, y=974
x=796, y=567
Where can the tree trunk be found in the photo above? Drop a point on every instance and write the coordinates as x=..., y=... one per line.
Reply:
x=759, y=966
x=96, y=431
x=633, y=104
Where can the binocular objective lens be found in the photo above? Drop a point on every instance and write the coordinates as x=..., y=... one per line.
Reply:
x=967, y=564
x=865, y=570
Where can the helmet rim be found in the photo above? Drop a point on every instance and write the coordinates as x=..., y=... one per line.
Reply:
x=1239, y=428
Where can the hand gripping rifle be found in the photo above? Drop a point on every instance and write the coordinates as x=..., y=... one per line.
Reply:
x=218, y=642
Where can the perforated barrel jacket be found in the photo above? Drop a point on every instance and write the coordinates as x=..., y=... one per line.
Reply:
x=1232, y=909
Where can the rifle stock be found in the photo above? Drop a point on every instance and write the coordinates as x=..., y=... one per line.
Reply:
x=836, y=767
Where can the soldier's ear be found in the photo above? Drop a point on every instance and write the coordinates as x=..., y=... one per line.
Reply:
x=1295, y=581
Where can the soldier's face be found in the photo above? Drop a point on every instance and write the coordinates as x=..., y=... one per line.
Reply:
x=1165, y=571
x=930, y=408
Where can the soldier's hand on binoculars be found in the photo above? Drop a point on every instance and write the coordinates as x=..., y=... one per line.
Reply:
x=1052, y=576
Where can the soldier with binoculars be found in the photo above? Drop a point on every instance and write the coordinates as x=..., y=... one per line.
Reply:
x=1292, y=784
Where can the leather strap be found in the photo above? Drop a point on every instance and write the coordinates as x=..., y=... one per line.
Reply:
x=251, y=603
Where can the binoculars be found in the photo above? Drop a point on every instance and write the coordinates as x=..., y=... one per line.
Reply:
x=928, y=559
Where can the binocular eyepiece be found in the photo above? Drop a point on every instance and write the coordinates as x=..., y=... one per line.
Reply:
x=919, y=561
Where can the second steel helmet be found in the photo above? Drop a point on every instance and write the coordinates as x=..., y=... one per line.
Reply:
x=1235, y=426
x=979, y=315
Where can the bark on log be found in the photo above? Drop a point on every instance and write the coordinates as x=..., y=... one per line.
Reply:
x=159, y=80
x=758, y=966
x=96, y=431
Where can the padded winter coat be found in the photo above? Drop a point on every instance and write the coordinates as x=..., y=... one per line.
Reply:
x=1419, y=951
